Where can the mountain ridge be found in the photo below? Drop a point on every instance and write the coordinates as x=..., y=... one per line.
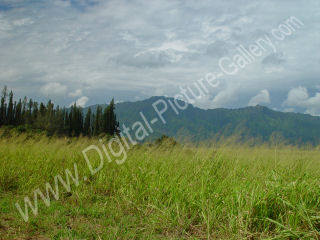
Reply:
x=198, y=124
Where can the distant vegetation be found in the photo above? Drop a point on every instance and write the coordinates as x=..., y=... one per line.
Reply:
x=194, y=124
x=55, y=120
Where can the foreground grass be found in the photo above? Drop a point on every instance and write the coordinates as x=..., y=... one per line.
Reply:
x=218, y=192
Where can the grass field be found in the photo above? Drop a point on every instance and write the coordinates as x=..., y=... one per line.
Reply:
x=162, y=192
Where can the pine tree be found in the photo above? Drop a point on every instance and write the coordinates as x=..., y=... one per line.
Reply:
x=35, y=112
x=3, y=106
x=87, y=124
x=29, y=112
x=76, y=120
x=112, y=123
x=106, y=120
x=55, y=120
x=98, y=122
x=42, y=110
x=10, y=113
x=79, y=118
x=18, y=113
x=93, y=123
x=59, y=121
x=41, y=117
x=14, y=113
x=49, y=118
x=66, y=123
x=24, y=109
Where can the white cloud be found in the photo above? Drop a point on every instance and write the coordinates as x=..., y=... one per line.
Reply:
x=225, y=96
x=53, y=89
x=218, y=49
x=177, y=45
x=273, y=63
x=128, y=48
x=76, y=93
x=260, y=98
x=299, y=97
x=274, y=59
x=81, y=101
x=289, y=110
x=23, y=21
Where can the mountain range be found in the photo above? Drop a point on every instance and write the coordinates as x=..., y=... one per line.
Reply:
x=195, y=124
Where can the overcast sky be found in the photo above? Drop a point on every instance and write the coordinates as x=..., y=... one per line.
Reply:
x=90, y=50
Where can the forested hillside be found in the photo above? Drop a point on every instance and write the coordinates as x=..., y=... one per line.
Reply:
x=195, y=124
x=198, y=124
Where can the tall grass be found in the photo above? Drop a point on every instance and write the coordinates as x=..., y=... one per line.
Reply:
x=163, y=191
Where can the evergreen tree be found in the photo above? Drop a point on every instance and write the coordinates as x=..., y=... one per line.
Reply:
x=66, y=123
x=79, y=121
x=93, y=123
x=40, y=122
x=87, y=124
x=18, y=113
x=10, y=112
x=24, y=108
x=3, y=106
x=35, y=112
x=49, y=118
x=111, y=123
x=42, y=110
x=59, y=121
x=106, y=120
x=55, y=120
x=14, y=113
x=97, y=129
x=29, y=112
x=76, y=120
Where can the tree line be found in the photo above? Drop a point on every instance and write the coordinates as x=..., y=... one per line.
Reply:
x=55, y=120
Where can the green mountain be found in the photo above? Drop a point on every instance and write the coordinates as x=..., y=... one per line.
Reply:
x=198, y=124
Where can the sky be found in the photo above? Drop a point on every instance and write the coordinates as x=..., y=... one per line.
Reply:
x=88, y=51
